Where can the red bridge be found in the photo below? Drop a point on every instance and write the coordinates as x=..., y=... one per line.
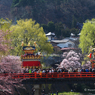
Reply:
x=40, y=78
x=53, y=75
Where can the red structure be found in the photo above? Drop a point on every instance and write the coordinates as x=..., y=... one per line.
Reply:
x=30, y=59
x=53, y=75
x=93, y=63
x=92, y=57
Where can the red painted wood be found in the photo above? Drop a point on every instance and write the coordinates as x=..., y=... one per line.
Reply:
x=31, y=63
x=55, y=75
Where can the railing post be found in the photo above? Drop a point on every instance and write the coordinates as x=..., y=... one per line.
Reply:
x=46, y=75
x=57, y=75
x=35, y=75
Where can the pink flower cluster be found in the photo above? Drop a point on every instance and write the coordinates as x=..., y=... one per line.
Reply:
x=4, y=41
x=72, y=60
x=9, y=64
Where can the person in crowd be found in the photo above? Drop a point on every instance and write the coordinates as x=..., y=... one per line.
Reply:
x=90, y=69
x=30, y=70
x=27, y=70
x=57, y=93
x=46, y=71
x=70, y=70
x=93, y=70
x=55, y=70
x=87, y=70
x=79, y=70
x=33, y=91
x=43, y=71
x=66, y=70
x=74, y=70
x=24, y=70
x=43, y=92
x=83, y=70
x=52, y=70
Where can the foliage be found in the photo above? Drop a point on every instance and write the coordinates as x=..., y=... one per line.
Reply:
x=68, y=12
x=51, y=26
x=4, y=42
x=45, y=27
x=29, y=31
x=18, y=3
x=5, y=34
x=74, y=31
x=68, y=93
x=71, y=60
x=87, y=37
x=9, y=64
x=59, y=29
x=74, y=60
x=5, y=24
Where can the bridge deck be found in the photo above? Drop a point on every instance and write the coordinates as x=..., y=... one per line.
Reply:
x=53, y=75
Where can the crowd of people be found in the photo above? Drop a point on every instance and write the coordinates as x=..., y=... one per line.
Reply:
x=52, y=70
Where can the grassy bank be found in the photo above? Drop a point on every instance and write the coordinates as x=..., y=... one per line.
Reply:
x=69, y=93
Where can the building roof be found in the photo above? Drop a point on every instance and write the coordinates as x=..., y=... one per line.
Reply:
x=60, y=41
x=63, y=45
x=69, y=48
x=48, y=34
x=73, y=38
x=65, y=40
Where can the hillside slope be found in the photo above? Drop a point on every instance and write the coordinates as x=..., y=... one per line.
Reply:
x=66, y=11
x=69, y=12
x=5, y=9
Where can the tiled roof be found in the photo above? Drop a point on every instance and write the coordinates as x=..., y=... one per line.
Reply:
x=59, y=41
x=69, y=48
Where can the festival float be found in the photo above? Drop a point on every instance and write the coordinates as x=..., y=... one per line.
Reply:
x=30, y=59
x=92, y=56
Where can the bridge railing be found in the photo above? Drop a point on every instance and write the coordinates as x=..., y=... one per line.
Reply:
x=3, y=74
x=54, y=75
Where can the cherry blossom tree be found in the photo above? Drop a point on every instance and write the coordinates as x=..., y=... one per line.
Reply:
x=87, y=65
x=9, y=64
x=4, y=42
x=71, y=60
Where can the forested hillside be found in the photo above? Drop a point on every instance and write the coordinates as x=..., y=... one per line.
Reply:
x=5, y=9
x=66, y=12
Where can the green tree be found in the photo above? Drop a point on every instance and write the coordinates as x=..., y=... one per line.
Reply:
x=75, y=31
x=87, y=37
x=5, y=41
x=15, y=3
x=74, y=21
x=29, y=31
x=44, y=26
x=59, y=27
x=51, y=26
x=5, y=24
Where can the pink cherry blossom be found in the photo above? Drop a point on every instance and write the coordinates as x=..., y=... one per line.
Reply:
x=9, y=64
x=73, y=60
